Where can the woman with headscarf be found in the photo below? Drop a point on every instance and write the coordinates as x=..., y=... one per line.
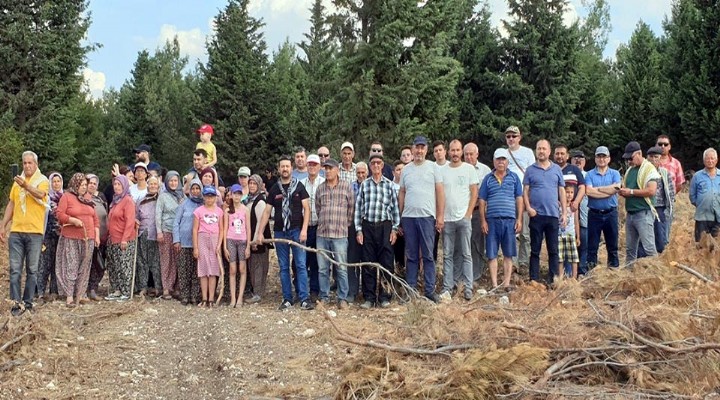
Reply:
x=182, y=235
x=79, y=235
x=259, y=261
x=166, y=207
x=121, y=242
x=46, y=268
x=148, y=256
x=97, y=267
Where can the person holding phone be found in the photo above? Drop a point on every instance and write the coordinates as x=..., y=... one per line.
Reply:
x=602, y=185
x=26, y=209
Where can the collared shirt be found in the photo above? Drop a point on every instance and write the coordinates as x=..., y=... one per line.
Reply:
x=33, y=219
x=482, y=171
x=335, y=209
x=500, y=195
x=348, y=175
x=544, y=184
x=675, y=168
x=595, y=179
x=311, y=188
x=376, y=202
x=705, y=196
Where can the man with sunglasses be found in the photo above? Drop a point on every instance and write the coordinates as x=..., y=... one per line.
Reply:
x=673, y=166
x=376, y=148
x=521, y=158
x=601, y=184
x=324, y=154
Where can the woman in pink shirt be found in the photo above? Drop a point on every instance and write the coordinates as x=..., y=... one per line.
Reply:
x=121, y=242
x=79, y=236
x=207, y=235
x=235, y=242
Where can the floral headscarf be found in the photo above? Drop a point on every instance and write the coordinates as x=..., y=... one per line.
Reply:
x=74, y=186
x=259, y=182
x=123, y=180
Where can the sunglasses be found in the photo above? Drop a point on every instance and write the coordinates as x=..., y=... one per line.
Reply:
x=376, y=150
x=324, y=155
x=511, y=136
x=663, y=144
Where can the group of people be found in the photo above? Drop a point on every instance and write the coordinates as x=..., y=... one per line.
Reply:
x=160, y=232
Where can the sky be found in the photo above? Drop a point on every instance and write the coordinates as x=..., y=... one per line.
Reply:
x=124, y=28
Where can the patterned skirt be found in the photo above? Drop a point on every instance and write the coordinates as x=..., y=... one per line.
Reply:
x=208, y=263
x=72, y=265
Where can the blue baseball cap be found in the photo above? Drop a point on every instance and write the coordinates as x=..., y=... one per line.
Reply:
x=236, y=188
x=209, y=191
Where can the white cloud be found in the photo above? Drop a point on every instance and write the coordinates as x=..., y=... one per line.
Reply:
x=94, y=82
x=277, y=7
x=192, y=42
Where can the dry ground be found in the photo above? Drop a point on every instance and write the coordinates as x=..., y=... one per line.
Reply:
x=156, y=349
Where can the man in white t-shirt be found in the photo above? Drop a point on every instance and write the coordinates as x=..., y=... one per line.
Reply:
x=521, y=158
x=460, y=183
x=477, y=247
x=422, y=210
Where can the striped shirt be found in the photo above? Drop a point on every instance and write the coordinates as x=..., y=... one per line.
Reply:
x=335, y=209
x=501, y=195
x=377, y=202
x=311, y=188
x=348, y=175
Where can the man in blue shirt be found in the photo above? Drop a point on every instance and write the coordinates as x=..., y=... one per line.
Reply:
x=543, y=187
x=705, y=196
x=602, y=184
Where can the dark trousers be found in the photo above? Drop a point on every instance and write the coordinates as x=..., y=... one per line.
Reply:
x=547, y=227
x=582, y=252
x=377, y=249
x=310, y=261
x=605, y=223
x=354, y=255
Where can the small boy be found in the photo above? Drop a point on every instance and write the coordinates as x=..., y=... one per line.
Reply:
x=206, y=131
x=569, y=236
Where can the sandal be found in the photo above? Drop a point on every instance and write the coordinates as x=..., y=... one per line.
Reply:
x=167, y=297
x=202, y=304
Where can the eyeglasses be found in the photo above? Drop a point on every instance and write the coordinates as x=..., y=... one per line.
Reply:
x=324, y=155
x=663, y=144
x=511, y=136
x=375, y=162
x=376, y=150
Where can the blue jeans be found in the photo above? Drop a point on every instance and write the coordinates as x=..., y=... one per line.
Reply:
x=605, y=223
x=456, y=250
x=542, y=225
x=283, y=255
x=24, y=247
x=339, y=247
x=419, y=240
x=659, y=228
x=639, y=228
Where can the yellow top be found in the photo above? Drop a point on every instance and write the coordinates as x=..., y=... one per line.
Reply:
x=210, y=149
x=28, y=212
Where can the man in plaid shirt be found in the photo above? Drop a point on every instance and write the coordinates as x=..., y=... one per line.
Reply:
x=334, y=205
x=377, y=218
x=675, y=169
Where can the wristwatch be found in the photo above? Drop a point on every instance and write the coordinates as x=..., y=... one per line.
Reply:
x=632, y=192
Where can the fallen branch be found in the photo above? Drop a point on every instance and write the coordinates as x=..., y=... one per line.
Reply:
x=15, y=340
x=440, y=351
x=691, y=271
x=328, y=255
x=11, y=364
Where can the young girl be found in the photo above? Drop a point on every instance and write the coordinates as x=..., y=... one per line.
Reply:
x=569, y=237
x=207, y=235
x=235, y=241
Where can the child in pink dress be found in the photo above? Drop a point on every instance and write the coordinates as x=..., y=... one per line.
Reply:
x=207, y=241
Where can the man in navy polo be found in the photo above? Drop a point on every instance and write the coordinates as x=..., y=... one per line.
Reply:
x=543, y=188
x=602, y=184
x=501, y=212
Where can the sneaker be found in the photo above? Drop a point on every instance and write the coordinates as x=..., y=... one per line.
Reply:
x=343, y=304
x=112, y=296
x=384, y=304
x=445, y=297
x=366, y=305
x=122, y=298
x=433, y=297
x=254, y=299
x=286, y=304
x=468, y=296
x=307, y=305
x=16, y=310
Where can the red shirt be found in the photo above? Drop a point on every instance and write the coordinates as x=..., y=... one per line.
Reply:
x=70, y=206
x=121, y=221
x=675, y=169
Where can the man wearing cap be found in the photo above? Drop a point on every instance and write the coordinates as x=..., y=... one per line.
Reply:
x=334, y=205
x=543, y=186
x=142, y=154
x=377, y=148
x=601, y=184
x=139, y=190
x=243, y=178
x=347, y=166
x=477, y=244
x=673, y=166
x=705, y=196
x=460, y=184
x=300, y=171
x=501, y=213
x=377, y=218
x=311, y=183
x=206, y=132
x=577, y=158
x=422, y=207
x=664, y=199
x=639, y=187
x=291, y=203
x=521, y=158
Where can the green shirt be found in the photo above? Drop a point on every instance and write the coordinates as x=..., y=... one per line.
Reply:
x=635, y=204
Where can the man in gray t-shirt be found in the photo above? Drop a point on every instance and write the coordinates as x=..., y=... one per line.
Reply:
x=422, y=208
